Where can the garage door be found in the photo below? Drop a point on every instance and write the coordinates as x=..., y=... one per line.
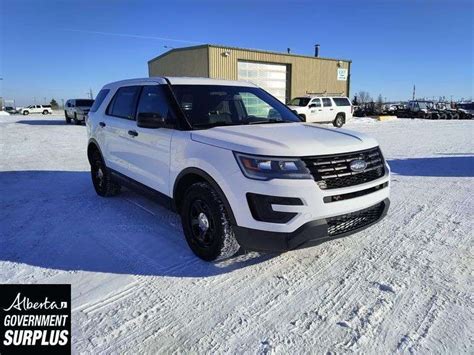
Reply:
x=271, y=77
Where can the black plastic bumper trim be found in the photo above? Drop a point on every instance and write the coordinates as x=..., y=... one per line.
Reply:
x=309, y=234
x=261, y=207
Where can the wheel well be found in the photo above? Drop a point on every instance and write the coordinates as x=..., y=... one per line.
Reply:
x=91, y=149
x=182, y=185
x=191, y=176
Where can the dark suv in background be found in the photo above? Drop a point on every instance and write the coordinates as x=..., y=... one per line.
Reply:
x=77, y=110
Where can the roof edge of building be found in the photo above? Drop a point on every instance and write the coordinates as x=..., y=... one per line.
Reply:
x=245, y=49
x=178, y=50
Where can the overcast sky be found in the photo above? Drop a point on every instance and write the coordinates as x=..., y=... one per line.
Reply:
x=62, y=49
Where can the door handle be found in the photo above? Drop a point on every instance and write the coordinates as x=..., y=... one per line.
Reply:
x=331, y=109
x=133, y=133
x=102, y=124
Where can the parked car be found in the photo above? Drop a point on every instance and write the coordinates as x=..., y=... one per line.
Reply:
x=11, y=110
x=44, y=109
x=466, y=110
x=419, y=109
x=335, y=110
x=239, y=166
x=77, y=110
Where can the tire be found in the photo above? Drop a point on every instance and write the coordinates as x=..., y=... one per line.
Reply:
x=45, y=112
x=68, y=120
x=206, y=224
x=26, y=113
x=303, y=117
x=76, y=121
x=338, y=121
x=101, y=178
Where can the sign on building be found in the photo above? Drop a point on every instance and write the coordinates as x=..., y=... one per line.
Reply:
x=342, y=74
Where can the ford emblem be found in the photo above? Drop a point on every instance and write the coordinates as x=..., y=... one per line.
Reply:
x=358, y=165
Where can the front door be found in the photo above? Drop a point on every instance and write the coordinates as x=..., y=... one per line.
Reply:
x=315, y=113
x=152, y=145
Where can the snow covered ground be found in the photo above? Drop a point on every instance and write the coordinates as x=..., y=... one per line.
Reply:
x=404, y=285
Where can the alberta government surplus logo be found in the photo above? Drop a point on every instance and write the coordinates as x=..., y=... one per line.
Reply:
x=35, y=319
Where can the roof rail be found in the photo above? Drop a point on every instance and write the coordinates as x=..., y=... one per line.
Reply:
x=325, y=93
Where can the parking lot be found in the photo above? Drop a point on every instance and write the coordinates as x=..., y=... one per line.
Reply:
x=403, y=285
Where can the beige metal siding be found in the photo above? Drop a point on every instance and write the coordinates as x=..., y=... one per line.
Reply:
x=187, y=62
x=308, y=74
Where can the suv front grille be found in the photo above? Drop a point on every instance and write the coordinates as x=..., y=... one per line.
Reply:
x=333, y=171
x=355, y=220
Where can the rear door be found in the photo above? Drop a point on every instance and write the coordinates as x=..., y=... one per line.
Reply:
x=118, y=136
x=151, y=146
x=328, y=110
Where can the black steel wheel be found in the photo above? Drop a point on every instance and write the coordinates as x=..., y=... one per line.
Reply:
x=206, y=224
x=101, y=179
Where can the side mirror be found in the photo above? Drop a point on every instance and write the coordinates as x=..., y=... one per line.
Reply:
x=312, y=106
x=151, y=120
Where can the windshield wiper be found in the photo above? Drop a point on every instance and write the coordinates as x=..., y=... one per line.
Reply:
x=214, y=124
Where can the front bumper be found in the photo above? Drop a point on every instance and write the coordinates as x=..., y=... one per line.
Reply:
x=309, y=234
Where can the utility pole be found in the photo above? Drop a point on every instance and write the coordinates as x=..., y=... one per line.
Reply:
x=62, y=103
x=414, y=91
x=91, y=95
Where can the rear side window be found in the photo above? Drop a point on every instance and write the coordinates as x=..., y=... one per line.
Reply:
x=124, y=102
x=341, y=101
x=327, y=102
x=99, y=99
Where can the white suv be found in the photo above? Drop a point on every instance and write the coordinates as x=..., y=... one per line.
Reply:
x=323, y=109
x=44, y=109
x=240, y=168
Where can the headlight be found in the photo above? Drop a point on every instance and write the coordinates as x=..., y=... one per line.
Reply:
x=266, y=168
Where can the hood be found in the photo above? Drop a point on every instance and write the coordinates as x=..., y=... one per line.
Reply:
x=286, y=139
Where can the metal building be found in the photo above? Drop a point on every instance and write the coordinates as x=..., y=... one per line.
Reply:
x=282, y=74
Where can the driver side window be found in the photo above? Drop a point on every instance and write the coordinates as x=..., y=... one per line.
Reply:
x=316, y=103
x=154, y=100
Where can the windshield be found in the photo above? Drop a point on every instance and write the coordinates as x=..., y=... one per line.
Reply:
x=300, y=101
x=207, y=106
x=84, y=103
x=423, y=104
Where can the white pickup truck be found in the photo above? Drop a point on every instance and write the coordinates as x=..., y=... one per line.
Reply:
x=323, y=109
x=240, y=168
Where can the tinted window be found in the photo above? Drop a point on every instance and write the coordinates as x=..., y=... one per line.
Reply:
x=299, y=101
x=214, y=105
x=341, y=101
x=155, y=99
x=327, y=102
x=84, y=103
x=124, y=101
x=99, y=99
